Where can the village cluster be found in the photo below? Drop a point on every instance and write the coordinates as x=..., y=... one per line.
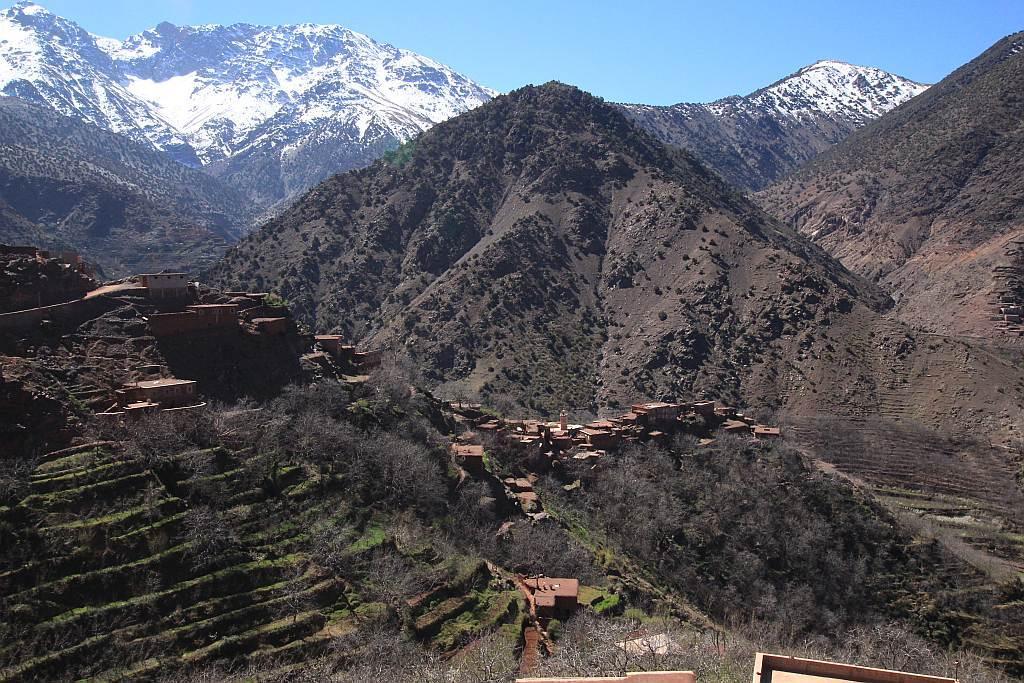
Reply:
x=646, y=422
x=246, y=310
x=231, y=312
x=543, y=443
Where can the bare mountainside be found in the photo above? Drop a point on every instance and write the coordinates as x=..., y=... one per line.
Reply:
x=754, y=140
x=927, y=200
x=123, y=205
x=544, y=249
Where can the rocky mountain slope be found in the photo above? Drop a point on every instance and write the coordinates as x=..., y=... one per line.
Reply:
x=756, y=139
x=544, y=249
x=926, y=200
x=124, y=206
x=290, y=104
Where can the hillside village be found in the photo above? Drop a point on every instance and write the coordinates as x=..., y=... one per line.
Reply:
x=174, y=309
x=182, y=310
x=320, y=361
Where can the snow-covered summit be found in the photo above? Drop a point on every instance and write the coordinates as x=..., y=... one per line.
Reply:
x=202, y=92
x=856, y=93
x=755, y=139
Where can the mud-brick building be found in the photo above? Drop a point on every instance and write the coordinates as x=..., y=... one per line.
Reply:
x=165, y=285
x=195, y=318
x=599, y=439
x=271, y=326
x=554, y=598
x=470, y=456
x=767, y=433
x=657, y=412
x=167, y=393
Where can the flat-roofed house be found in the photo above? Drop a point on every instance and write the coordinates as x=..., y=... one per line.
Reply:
x=766, y=432
x=704, y=408
x=770, y=668
x=215, y=315
x=271, y=326
x=657, y=411
x=470, y=456
x=167, y=393
x=165, y=285
x=736, y=427
x=331, y=343
x=554, y=597
x=600, y=439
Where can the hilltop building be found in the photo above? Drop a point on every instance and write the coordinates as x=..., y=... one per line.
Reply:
x=165, y=285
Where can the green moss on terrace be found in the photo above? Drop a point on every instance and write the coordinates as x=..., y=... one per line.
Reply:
x=115, y=577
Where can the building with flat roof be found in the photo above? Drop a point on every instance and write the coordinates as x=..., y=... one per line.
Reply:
x=470, y=456
x=770, y=668
x=657, y=411
x=554, y=597
x=271, y=326
x=165, y=285
x=167, y=393
x=736, y=427
x=766, y=432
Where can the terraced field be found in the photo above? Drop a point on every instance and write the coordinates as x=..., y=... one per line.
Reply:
x=116, y=585
x=963, y=494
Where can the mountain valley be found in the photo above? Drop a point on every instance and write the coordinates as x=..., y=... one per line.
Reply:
x=321, y=362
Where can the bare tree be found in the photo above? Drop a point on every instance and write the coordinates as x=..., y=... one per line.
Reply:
x=209, y=536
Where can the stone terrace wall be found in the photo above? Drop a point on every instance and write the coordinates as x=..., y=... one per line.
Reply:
x=71, y=314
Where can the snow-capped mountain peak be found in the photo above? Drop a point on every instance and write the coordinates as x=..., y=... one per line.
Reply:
x=206, y=92
x=755, y=139
x=834, y=88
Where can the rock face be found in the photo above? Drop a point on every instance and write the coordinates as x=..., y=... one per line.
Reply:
x=122, y=205
x=926, y=200
x=288, y=105
x=755, y=140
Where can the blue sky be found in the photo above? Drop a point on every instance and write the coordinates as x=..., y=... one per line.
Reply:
x=653, y=51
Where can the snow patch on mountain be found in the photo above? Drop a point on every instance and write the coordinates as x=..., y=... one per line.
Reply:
x=205, y=91
x=827, y=88
x=857, y=93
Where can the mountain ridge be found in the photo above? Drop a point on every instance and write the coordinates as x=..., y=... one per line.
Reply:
x=753, y=140
x=204, y=94
x=543, y=250
x=926, y=199
x=122, y=205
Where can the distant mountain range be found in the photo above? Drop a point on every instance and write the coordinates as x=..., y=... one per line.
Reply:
x=753, y=141
x=927, y=199
x=124, y=205
x=269, y=112
x=280, y=108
